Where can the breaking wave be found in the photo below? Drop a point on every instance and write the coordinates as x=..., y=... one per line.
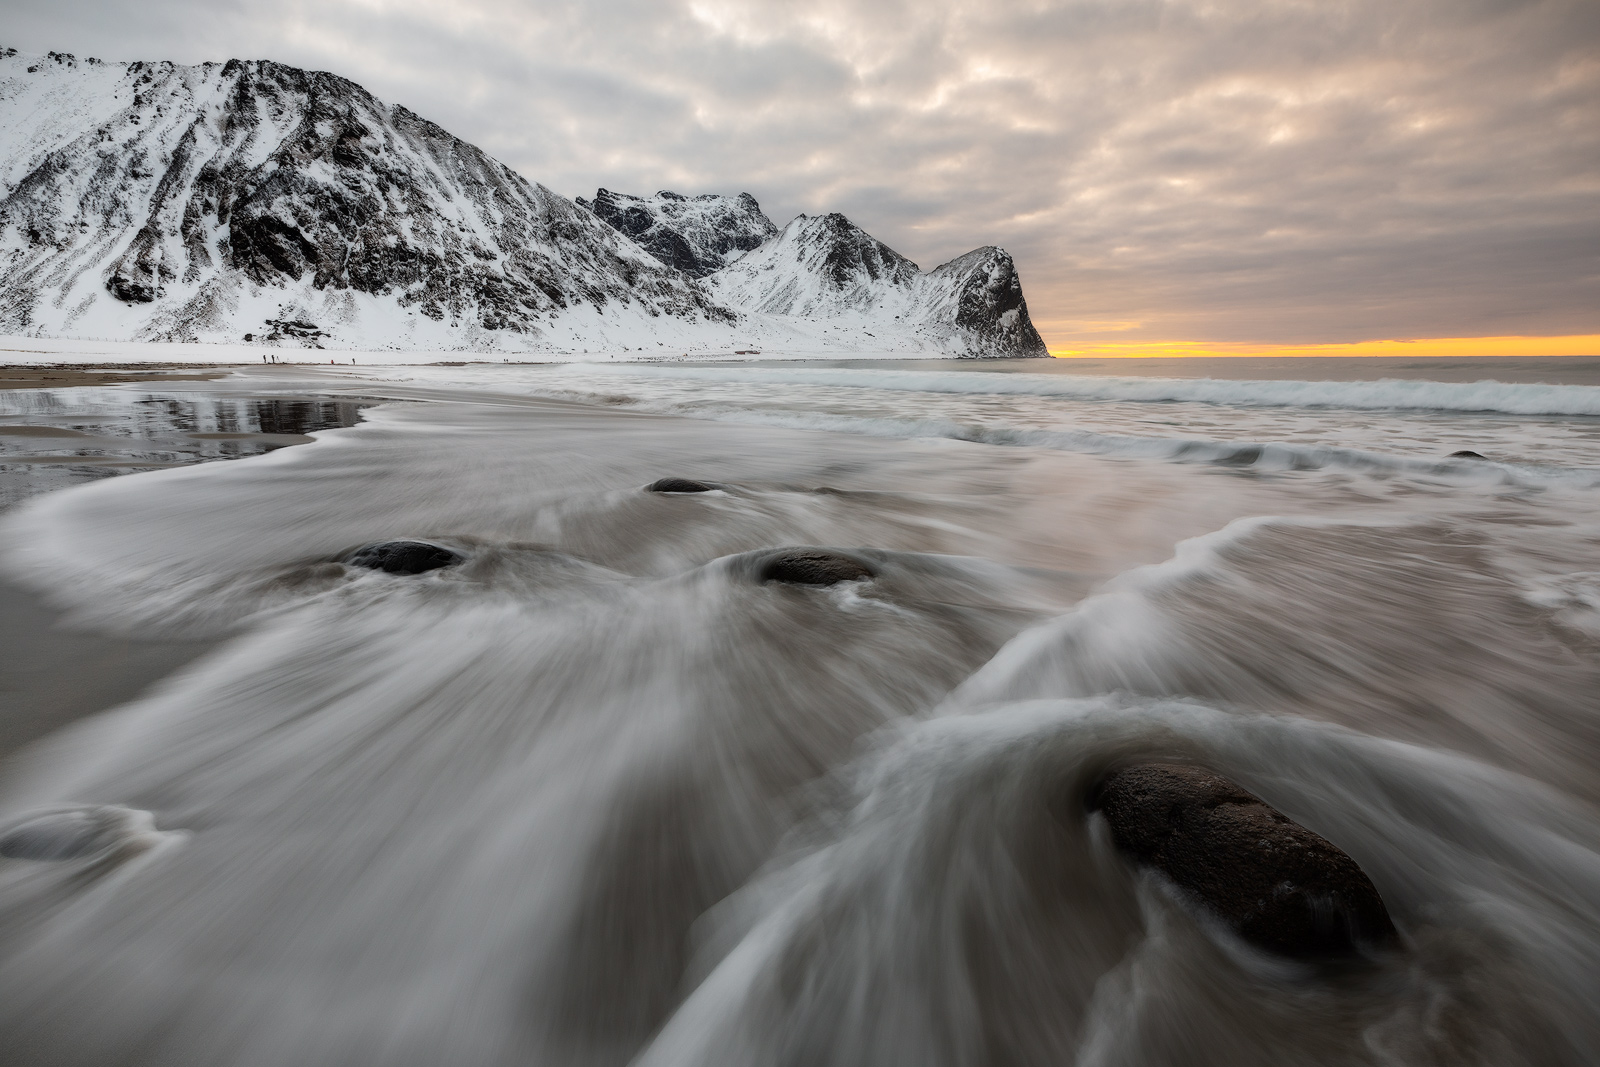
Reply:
x=1260, y=456
x=1385, y=394
x=1255, y=455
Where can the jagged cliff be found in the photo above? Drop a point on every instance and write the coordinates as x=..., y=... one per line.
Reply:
x=825, y=267
x=695, y=234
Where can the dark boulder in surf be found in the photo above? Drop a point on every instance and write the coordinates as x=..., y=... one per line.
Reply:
x=1464, y=454
x=1275, y=883
x=678, y=485
x=403, y=557
x=811, y=567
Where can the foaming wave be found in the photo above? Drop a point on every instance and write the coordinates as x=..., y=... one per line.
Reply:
x=1402, y=628
x=660, y=390
x=956, y=904
x=1262, y=456
x=601, y=793
x=1385, y=394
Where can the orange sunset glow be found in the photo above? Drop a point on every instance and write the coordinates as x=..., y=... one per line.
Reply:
x=1429, y=347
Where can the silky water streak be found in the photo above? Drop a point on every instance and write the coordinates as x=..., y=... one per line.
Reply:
x=601, y=795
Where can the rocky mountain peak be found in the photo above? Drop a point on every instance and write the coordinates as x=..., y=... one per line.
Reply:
x=982, y=295
x=696, y=235
x=174, y=202
x=827, y=267
x=845, y=254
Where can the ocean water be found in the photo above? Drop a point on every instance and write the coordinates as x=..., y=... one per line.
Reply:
x=599, y=795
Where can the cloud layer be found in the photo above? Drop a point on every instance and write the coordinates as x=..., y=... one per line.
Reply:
x=1224, y=170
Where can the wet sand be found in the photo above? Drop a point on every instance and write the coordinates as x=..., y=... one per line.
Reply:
x=53, y=674
x=64, y=376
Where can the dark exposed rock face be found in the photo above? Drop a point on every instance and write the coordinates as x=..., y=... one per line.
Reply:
x=696, y=235
x=826, y=267
x=678, y=485
x=984, y=297
x=852, y=256
x=403, y=557
x=131, y=290
x=1464, y=454
x=817, y=267
x=1275, y=883
x=812, y=567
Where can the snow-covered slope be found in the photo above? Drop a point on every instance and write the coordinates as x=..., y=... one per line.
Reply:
x=258, y=203
x=695, y=234
x=152, y=201
x=825, y=268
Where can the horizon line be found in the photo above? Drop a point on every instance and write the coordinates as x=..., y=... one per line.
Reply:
x=1587, y=344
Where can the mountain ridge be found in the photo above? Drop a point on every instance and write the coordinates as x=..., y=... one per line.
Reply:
x=826, y=267
x=258, y=202
x=193, y=180
x=695, y=234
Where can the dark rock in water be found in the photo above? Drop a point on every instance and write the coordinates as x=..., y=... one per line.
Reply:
x=1464, y=454
x=678, y=485
x=403, y=557
x=62, y=835
x=813, y=568
x=1277, y=884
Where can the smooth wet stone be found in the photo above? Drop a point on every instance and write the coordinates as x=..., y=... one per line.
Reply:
x=1275, y=883
x=678, y=485
x=61, y=835
x=813, y=568
x=1464, y=454
x=403, y=557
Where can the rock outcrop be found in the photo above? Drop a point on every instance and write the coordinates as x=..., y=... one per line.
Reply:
x=825, y=268
x=403, y=557
x=677, y=485
x=694, y=234
x=980, y=296
x=812, y=566
x=1275, y=883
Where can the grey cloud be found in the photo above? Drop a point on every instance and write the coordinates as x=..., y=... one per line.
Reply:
x=1272, y=170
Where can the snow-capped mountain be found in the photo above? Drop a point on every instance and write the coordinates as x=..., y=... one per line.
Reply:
x=153, y=201
x=824, y=267
x=695, y=234
x=256, y=202
x=820, y=265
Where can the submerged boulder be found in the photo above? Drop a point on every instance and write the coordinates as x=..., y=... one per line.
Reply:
x=1464, y=454
x=678, y=485
x=1275, y=883
x=61, y=835
x=813, y=567
x=403, y=557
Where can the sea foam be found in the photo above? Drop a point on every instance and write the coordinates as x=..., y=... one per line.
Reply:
x=1385, y=394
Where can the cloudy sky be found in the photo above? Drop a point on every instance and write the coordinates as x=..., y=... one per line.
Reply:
x=1283, y=171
